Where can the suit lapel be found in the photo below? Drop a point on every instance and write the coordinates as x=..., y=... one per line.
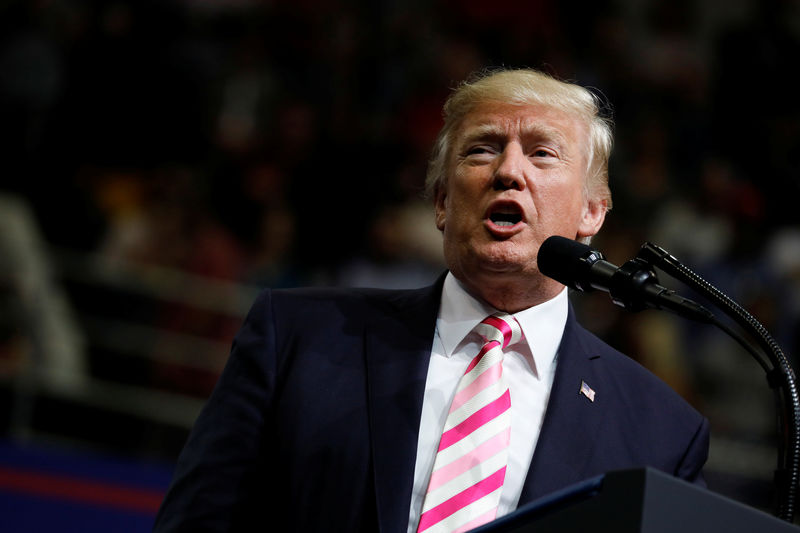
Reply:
x=571, y=421
x=398, y=345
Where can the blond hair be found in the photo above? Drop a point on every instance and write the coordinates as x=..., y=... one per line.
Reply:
x=526, y=87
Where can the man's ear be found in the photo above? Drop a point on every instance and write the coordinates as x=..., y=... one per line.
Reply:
x=594, y=214
x=440, y=208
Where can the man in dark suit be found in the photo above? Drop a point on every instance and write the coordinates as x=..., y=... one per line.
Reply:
x=329, y=413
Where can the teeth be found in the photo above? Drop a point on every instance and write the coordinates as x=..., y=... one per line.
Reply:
x=505, y=219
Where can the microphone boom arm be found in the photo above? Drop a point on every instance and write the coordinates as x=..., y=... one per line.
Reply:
x=781, y=376
x=635, y=287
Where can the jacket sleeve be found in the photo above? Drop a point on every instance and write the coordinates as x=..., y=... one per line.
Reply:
x=218, y=471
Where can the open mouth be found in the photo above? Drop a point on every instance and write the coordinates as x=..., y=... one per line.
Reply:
x=505, y=218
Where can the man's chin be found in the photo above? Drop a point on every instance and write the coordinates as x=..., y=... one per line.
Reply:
x=504, y=271
x=501, y=260
x=494, y=260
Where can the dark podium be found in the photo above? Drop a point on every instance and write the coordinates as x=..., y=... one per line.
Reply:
x=641, y=500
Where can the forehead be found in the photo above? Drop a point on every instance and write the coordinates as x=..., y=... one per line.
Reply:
x=534, y=121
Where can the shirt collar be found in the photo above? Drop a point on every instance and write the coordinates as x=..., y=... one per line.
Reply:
x=543, y=324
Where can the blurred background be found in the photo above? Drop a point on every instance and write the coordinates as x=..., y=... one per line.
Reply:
x=163, y=160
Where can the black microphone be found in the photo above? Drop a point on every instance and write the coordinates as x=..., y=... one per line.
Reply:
x=633, y=286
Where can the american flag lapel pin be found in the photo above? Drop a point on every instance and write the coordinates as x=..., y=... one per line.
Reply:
x=587, y=391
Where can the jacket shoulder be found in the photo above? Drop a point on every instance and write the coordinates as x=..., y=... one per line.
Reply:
x=634, y=381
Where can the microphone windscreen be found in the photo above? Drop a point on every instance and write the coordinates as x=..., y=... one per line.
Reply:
x=566, y=260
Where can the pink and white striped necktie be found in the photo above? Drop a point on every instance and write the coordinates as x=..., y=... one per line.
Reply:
x=470, y=465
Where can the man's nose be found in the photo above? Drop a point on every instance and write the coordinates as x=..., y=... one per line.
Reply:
x=510, y=171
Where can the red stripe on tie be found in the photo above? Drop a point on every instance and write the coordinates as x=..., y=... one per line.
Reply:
x=483, y=519
x=480, y=417
x=501, y=325
x=490, y=375
x=477, y=359
x=462, y=499
x=481, y=453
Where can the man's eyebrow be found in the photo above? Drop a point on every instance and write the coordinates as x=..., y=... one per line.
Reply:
x=484, y=131
x=490, y=131
x=541, y=131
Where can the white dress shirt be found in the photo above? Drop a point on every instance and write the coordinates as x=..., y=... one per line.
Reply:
x=528, y=368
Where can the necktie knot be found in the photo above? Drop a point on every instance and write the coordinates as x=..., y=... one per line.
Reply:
x=502, y=328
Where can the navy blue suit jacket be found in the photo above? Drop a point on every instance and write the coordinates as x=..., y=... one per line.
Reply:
x=314, y=420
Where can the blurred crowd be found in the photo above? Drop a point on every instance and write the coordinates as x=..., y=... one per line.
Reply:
x=277, y=144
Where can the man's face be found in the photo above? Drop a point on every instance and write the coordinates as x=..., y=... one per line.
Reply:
x=515, y=177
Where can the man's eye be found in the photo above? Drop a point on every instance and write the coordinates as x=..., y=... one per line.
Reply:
x=543, y=153
x=478, y=150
